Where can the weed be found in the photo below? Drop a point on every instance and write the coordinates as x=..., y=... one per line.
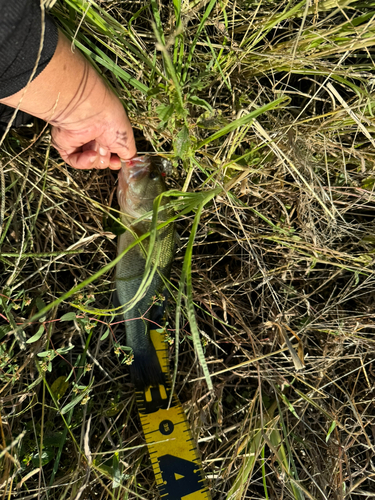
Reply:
x=266, y=110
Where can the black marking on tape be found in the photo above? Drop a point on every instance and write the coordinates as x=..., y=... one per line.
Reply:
x=181, y=476
x=166, y=427
x=176, y=476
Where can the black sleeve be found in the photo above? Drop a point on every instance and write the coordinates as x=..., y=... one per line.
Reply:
x=20, y=35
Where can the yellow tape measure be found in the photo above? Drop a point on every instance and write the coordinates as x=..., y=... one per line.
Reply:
x=174, y=456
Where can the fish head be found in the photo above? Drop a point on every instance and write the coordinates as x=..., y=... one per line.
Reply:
x=141, y=180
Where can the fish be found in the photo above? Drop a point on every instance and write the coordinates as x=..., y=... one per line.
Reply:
x=141, y=180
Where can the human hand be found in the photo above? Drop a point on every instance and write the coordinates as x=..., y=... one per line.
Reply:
x=99, y=140
x=90, y=128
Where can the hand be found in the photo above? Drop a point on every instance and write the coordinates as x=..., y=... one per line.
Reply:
x=99, y=140
x=90, y=128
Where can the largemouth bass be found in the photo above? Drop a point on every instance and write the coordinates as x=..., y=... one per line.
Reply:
x=140, y=181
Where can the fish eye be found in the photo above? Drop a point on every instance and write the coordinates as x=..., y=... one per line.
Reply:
x=154, y=175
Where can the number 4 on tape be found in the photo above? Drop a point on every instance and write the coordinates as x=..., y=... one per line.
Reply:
x=174, y=456
x=181, y=477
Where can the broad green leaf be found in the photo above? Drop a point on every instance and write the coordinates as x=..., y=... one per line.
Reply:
x=105, y=334
x=73, y=403
x=164, y=112
x=203, y=197
x=116, y=471
x=113, y=67
x=36, y=336
x=40, y=304
x=70, y=316
x=197, y=101
x=64, y=350
x=330, y=430
x=182, y=143
x=86, y=8
x=59, y=387
x=44, y=354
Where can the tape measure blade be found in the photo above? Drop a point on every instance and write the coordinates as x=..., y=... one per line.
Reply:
x=174, y=456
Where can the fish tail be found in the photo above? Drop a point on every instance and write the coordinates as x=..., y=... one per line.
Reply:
x=145, y=371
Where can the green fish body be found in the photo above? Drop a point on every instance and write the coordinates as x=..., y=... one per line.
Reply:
x=140, y=181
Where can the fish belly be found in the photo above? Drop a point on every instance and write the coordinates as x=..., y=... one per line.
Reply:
x=145, y=370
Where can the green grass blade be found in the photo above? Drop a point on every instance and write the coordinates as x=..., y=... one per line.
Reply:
x=158, y=24
x=189, y=299
x=202, y=23
x=242, y=121
x=111, y=66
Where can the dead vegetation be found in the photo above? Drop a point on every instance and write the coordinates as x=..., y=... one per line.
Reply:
x=282, y=265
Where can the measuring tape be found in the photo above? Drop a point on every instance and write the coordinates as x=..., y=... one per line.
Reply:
x=174, y=456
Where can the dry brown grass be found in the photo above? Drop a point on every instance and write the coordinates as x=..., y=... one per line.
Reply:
x=286, y=249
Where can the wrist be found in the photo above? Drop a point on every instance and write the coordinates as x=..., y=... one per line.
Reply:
x=65, y=92
x=88, y=101
x=90, y=128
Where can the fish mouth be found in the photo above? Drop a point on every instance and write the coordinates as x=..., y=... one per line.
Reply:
x=132, y=172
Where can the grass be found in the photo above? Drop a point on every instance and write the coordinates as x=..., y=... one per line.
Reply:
x=267, y=113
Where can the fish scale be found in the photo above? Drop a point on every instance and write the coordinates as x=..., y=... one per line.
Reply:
x=174, y=456
x=137, y=191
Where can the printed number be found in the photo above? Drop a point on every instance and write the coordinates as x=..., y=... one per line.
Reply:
x=180, y=476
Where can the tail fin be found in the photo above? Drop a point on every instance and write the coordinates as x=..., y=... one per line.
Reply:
x=145, y=370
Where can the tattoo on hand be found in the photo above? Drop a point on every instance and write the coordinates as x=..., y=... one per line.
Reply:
x=122, y=139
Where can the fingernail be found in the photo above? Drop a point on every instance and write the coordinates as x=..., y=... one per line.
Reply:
x=92, y=159
x=102, y=151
